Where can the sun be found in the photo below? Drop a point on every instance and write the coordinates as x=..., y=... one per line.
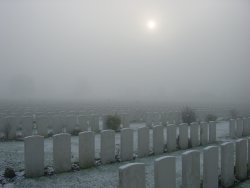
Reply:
x=151, y=24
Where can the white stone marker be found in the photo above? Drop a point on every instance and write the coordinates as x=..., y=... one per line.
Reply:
x=183, y=136
x=94, y=123
x=62, y=152
x=86, y=149
x=27, y=125
x=158, y=139
x=143, y=141
x=127, y=144
x=83, y=123
x=149, y=120
x=241, y=159
x=107, y=146
x=194, y=134
x=246, y=127
x=227, y=164
x=34, y=156
x=57, y=124
x=165, y=172
x=171, y=138
x=212, y=131
x=204, y=133
x=42, y=124
x=210, y=167
x=248, y=159
x=132, y=176
x=191, y=169
x=232, y=128
x=239, y=127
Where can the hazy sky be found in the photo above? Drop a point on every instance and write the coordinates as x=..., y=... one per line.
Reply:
x=95, y=49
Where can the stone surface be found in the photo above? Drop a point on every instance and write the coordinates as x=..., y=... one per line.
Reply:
x=107, y=146
x=132, y=176
x=127, y=144
x=194, y=134
x=239, y=127
x=143, y=141
x=62, y=152
x=165, y=172
x=42, y=124
x=204, y=133
x=246, y=127
x=86, y=149
x=212, y=132
x=232, y=128
x=210, y=167
x=171, y=137
x=183, y=136
x=34, y=156
x=83, y=123
x=227, y=164
x=158, y=139
x=241, y=159
x=27, y=125
x=191, y=169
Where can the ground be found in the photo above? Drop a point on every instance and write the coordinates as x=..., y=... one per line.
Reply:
x=100, y=176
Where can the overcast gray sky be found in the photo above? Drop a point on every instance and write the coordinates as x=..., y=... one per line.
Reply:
x=95, y=49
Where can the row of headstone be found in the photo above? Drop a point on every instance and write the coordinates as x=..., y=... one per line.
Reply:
x=239, y=127
x=163, y=118
x=14, y=127
x=62, y=145
x=133, y=174
x=193, y=136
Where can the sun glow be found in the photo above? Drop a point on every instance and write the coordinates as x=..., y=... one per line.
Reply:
x=151, y=24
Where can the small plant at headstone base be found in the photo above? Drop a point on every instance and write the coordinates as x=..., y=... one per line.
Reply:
x=211, y=117
x=9, y=172
x=113, y=122
x=188, y=115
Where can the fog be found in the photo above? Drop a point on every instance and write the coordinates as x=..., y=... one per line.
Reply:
x=102, y=50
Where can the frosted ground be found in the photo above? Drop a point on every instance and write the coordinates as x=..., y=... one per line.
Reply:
x=12, y=154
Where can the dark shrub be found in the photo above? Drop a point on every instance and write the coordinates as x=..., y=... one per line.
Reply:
x=113, y=122
x=9, y=172
x=211, y=117
x=188, y=115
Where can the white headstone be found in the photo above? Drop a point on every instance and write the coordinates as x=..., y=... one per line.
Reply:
x=34, y=156
x=246, y=127
x=62, y=152
x=204, y=133
x=94, y=123
x=27, y=125
x=194, y=134
x=212, y=131
x=227, y=164
x=232, y=128
x=127, y=144
x=165, y=172
x=241, y=159
x=86, y=149
x=83, y=123
x=239, y=127
x=191, y=169
x=171, y=138
x=158, y=139
x=183, y=136
x=210, y=167
x=132, y=176
x=107, y=146
x=42, y=124
x=143, y=141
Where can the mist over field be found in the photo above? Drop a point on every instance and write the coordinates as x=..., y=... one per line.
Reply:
x=102, y=50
